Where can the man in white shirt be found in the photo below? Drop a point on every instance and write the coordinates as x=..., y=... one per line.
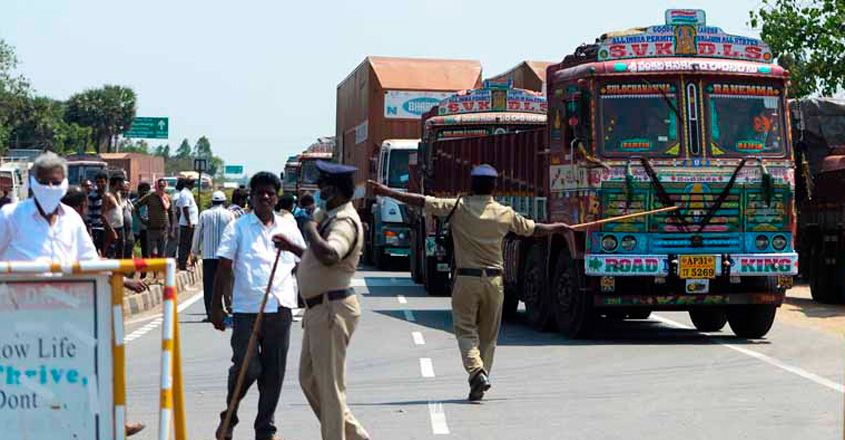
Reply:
x=245, y=259
x=188, y=219
x=207, y=238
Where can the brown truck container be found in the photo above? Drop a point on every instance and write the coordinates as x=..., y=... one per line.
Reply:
x=529, y=75
x=138, y=167
x=384, y=98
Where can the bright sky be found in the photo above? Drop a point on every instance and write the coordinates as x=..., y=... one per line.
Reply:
x=259, y=77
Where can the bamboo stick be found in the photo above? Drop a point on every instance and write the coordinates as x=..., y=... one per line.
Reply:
x=623, y=217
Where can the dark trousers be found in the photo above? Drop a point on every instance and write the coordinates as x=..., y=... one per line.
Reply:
x=128, y=244
x=267, y=366
x=142, y=238
x=98, y=236
x=209, y=270
x=186, y=236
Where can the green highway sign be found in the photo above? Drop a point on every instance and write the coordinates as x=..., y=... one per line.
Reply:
x=235, y=170
x=148, y=128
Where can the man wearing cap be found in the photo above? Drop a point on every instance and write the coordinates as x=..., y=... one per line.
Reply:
x=325, y=282
x=212, y=223
x=479, y=224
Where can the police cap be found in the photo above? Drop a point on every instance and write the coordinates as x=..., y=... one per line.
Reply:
x=484, y=170
x=335, y=170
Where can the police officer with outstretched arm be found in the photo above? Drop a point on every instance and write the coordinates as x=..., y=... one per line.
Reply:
x=479, y=224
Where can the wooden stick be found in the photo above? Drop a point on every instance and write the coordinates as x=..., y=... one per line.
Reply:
x=624, y=217
x=253, y=339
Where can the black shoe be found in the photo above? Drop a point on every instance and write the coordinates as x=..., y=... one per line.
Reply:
x=478, y=385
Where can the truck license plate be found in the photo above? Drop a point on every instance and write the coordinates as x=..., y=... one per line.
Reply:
x=697, y=266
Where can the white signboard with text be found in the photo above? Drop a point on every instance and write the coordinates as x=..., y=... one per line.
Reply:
x=56, y=358
x=410, y=104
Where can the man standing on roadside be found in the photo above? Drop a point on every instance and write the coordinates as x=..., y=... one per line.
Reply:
x=160, y=218
x=140, y=219
x=246, y=256
x=336, y=238
x=479, y=224
x=207, y=238
x=95, y=211
x=188, y=219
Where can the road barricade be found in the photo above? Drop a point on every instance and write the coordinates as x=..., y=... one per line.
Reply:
x=62, y=354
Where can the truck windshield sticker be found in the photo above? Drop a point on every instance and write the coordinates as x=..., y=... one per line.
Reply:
x=639, y=118
x=493, y=100
x=744, y=119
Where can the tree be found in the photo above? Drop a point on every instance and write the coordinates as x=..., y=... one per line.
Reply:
x=14, y=91
x=108, y=111
x=130, y=146
x=184, y=150
x=808, y=39
x=203, y=148
x=162, y=151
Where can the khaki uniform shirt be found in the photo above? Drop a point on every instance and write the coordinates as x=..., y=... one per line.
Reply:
x=478, y=227
x=342, y=228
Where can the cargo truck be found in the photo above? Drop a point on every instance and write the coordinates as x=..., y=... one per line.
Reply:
x=390, y=233
x=818, y=126
x=291, y=175
x=677, y=114
x=495, y=124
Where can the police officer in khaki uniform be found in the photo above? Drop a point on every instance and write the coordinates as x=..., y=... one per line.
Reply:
x=324, y=276
x=479, y=224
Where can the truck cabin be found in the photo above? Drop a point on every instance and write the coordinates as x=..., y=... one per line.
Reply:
x=676, y=114
x=81, y=170
x=290, y=177
x=308, y=173
x=394, y=158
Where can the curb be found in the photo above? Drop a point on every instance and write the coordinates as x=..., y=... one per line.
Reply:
x=138, y=303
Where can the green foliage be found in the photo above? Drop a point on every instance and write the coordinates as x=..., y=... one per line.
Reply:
x=184, y=151
x=132, y=146
x=808, y=38
x=162, y=151
x=108, y=111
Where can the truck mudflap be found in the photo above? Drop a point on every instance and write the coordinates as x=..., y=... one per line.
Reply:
x=693, y=266
x=680, y=301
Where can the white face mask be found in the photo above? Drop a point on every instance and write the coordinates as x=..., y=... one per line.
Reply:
x=48, y=196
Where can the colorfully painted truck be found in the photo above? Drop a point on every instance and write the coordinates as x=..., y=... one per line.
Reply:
x=493, y=124
x=390, y=233
x=678, y=114
x=818, y=126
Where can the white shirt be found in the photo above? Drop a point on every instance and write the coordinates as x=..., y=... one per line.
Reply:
x=25, y=235
x=186, y=200
x=210, y=230
x=249, y=244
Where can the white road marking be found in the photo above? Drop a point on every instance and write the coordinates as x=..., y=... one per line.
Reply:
x=402, y=299
x=767, y=359
x=418, y=338
x=409, y=315
x=157, y=320
x=438, y=418
x=184, y=305
x=426, y=367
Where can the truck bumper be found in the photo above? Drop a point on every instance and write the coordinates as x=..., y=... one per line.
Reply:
x=741, y=265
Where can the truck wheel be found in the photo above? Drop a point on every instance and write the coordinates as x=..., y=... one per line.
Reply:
x=639, y=314
x=751, y=321
x=436, y=283
x=708, y=320
x=510, y=305
x=572, y=303
x=537, y=307
x=822, y=283
x=414, y=258
x=380, y=259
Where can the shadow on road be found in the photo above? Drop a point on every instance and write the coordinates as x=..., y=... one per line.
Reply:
x=608, y=332
x=812, y=309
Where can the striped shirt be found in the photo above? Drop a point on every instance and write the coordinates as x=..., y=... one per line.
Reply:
x=212, y=223
x=95, y=209
x=237, y=210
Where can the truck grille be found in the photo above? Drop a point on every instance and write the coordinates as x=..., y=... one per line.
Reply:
x=674, y=243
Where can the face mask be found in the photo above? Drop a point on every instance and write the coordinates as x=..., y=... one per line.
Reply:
x=47, y=196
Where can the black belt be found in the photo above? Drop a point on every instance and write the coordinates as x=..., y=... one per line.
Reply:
x=332, y=295
x=468, y=272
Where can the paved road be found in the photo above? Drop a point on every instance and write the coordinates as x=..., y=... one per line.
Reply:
x=655, y=379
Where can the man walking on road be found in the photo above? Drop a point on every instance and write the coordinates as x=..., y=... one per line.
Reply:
x=479, y=224
x=325, y=282
x=212, y=223
x=246, y=256
x=159, y=219
x=188, y=219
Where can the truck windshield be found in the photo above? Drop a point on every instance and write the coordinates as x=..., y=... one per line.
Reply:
x=639, y=118
x=398, y=174
x=309, y=172
x=291, y=175
x=744, y=119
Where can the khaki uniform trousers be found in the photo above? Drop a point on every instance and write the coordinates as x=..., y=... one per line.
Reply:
x=477, y=314
x=322, y=366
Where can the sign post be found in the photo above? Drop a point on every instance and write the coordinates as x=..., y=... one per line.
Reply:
x=148, y=128
x=200, y=166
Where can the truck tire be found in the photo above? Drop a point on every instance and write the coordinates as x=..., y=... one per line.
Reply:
x=510, y=304
x=751, y=321
x=708, y=320
x=436, y=283
x=414, y=258
x=823, y=285
x=534, y=292
x=380, y=259
x=572, y=303
x=639, y=314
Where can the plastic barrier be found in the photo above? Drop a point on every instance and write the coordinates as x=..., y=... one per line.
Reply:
x=54, y=375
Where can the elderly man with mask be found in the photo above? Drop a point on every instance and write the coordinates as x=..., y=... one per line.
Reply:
x=41, y=228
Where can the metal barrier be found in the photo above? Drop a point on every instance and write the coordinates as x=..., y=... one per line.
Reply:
x=172, y=400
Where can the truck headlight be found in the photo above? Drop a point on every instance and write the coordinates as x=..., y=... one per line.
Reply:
x=629, y=242
x=609, y=243
x=762, y=242
x=779, y=242
x=391, y=237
